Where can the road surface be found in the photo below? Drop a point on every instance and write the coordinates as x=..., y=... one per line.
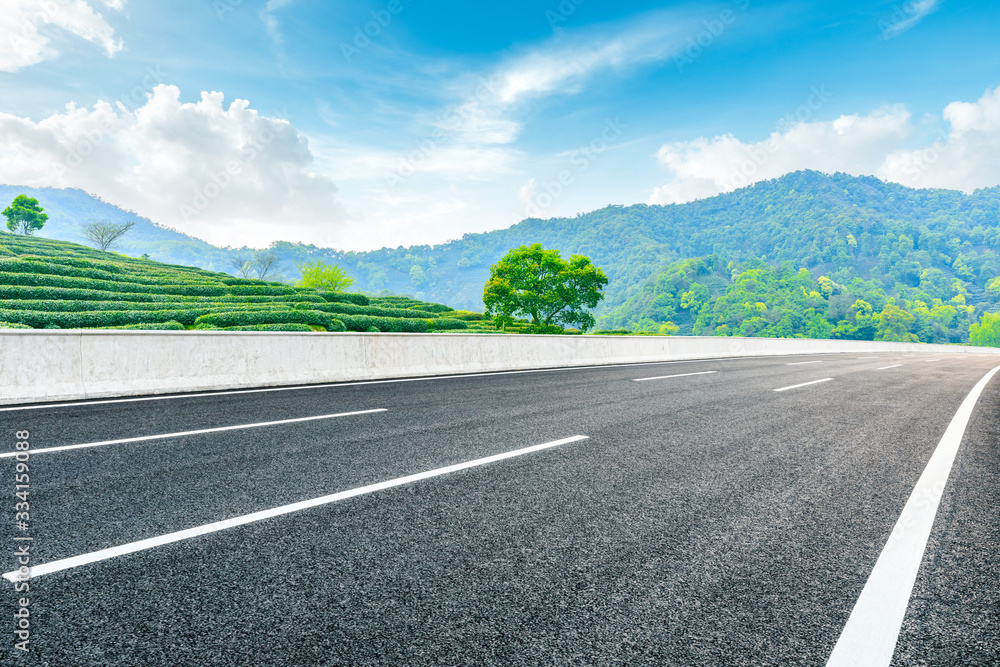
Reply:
x=682, y=513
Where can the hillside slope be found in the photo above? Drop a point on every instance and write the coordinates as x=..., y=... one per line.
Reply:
x=48, y=284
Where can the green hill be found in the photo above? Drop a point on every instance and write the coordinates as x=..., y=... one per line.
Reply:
x=923, y=252
x=48, y=284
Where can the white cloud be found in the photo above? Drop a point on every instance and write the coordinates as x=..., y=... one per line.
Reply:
x=26, y=40
x=224, y=174
x=878, y=144
x=906, y=16
x=965, y=158
x=566, y=64
x=526, y=193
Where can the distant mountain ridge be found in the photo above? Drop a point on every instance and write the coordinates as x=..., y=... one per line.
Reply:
x=838, y=225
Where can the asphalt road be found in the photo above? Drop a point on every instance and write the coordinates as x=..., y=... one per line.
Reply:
x=705, y=520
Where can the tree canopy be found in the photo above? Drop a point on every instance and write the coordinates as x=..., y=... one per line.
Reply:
x=530, y=281
x=321, y=275
x=25, y=215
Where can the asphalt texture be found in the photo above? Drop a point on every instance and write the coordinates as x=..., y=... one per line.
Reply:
x=706, y=520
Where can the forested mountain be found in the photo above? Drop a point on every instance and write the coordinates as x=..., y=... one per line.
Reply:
x=869, y=240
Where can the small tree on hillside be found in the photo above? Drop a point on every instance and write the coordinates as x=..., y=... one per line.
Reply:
x=25, y=215
x=323, y=275
x=530, y=281
x=105, y=234
x=242, y=263
x=266, y=265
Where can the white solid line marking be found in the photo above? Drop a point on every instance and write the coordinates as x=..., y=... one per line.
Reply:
x=867, y=357
x=803, y=363
x=164, y=436
x=666, y=377
x=888, y=367
x=927, y=361
x=804, y=384
x=142, y=545
x=870, y=636
x=43, y=406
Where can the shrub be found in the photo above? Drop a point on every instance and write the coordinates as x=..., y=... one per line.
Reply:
x=346, y=297
x=272, y=327
x=407, y=302
x=33, y=292
x=243, y=318
x=266, y=289
x=447, y=323
x=466, y=315
x=44, y=280
x=99, y=318
x=160, y=326
x=374, y=311
x=383, y=324
x=13, y=325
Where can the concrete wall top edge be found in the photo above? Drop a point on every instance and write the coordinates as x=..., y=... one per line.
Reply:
x=454, y=334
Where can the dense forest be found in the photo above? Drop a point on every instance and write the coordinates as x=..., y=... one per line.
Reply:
x=806, y=254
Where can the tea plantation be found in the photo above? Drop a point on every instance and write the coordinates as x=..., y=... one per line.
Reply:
x=47, y=284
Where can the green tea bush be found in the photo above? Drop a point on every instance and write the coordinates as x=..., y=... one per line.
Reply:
x=383, y=324
x=146, y=278
x=407, y=302
x=272, y=327
x=244, y=318
x=346, y=297
x=373, y=311
x=44, y=280
x=156, y=326
x=100, y=318
x=267, y=289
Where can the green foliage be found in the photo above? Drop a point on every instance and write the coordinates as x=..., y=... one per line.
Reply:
x=98, y=318
x=321, y=275
x=986, y=332
x=896, y=324
x=13, y=325
x=447, y=324
x=245, y=318
x=383, y=324
x=407, y=302
x=272, y=327
x=340, y=297
x=153, y=326
x=376, y=311
x=765, y=302
x=25, y=215
x=533, y=282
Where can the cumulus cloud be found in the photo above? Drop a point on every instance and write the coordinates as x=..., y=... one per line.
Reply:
x=24, y=33
x=225, y=174
x=877, y=143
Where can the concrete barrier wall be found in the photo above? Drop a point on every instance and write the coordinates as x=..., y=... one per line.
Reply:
x=38, y=366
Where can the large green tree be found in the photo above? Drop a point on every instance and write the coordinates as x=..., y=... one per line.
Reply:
x=25, y=215
x=530, y=281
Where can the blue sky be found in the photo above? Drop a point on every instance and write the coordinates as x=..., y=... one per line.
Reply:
x=363, y=124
